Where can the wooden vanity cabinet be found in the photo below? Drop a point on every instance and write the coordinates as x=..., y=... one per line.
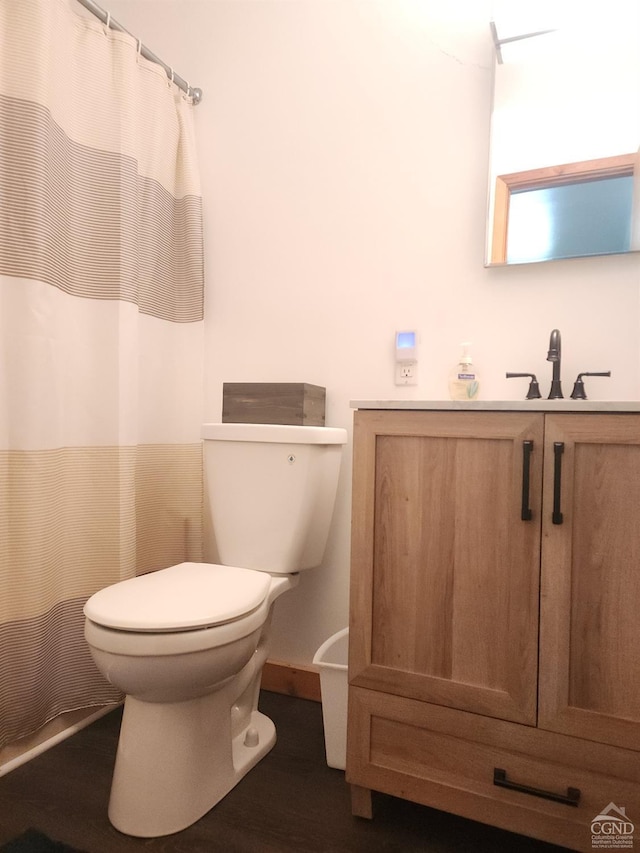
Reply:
x=494, y=665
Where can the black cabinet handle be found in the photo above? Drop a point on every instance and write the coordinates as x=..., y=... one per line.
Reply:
x=527, y=450
x=571, y=798
x=558, y=450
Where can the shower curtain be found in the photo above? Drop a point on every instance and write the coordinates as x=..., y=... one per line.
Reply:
x=101, y=323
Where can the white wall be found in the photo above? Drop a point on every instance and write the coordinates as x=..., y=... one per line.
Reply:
x=554, y=104
x=344, y=150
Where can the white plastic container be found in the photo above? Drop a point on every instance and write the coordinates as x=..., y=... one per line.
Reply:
x=332, y=658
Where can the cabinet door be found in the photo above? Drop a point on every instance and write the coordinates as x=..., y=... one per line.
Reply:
x=590, y=596
x=445, y=571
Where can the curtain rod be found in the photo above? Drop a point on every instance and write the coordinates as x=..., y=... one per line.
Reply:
x=105, y=17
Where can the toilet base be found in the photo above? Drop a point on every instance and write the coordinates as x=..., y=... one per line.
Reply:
x=175, y=761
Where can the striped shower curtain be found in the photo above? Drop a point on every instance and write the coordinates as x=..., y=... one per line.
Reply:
x=101, y=307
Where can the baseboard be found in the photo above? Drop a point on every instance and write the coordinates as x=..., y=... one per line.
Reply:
x=300, y=681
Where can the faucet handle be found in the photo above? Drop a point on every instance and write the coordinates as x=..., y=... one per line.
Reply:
x=578, y=392
x=534, y=389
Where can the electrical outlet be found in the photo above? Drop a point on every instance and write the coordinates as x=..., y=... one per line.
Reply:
x=406, y=373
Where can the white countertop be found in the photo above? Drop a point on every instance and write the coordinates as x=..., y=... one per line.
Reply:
x=568, y=405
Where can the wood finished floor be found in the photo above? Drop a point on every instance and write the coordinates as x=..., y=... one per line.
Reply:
x=290, y=803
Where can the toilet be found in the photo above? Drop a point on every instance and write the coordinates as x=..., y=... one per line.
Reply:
x=187, y=644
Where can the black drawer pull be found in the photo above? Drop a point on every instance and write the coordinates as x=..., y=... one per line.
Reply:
x=571, y=798
x=527, y=450
x=558, y=450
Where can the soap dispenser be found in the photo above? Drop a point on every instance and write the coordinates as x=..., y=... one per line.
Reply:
x=463, y=379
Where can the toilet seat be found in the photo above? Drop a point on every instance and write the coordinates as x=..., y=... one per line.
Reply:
x=185, y=597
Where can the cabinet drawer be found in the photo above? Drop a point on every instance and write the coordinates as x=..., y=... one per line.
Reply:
x=447, y=759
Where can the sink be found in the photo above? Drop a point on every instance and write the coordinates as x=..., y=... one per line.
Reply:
x=565, y=405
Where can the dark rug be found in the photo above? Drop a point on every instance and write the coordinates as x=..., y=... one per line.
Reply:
x=33, y=841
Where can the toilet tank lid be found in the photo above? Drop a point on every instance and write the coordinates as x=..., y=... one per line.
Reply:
x=276, y=433
x=180, y=598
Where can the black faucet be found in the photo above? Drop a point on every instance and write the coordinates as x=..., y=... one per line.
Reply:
x=554, y=355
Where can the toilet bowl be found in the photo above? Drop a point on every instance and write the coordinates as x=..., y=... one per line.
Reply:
x=187, y=644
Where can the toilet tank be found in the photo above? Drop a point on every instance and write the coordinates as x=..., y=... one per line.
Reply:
x=270, y=491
